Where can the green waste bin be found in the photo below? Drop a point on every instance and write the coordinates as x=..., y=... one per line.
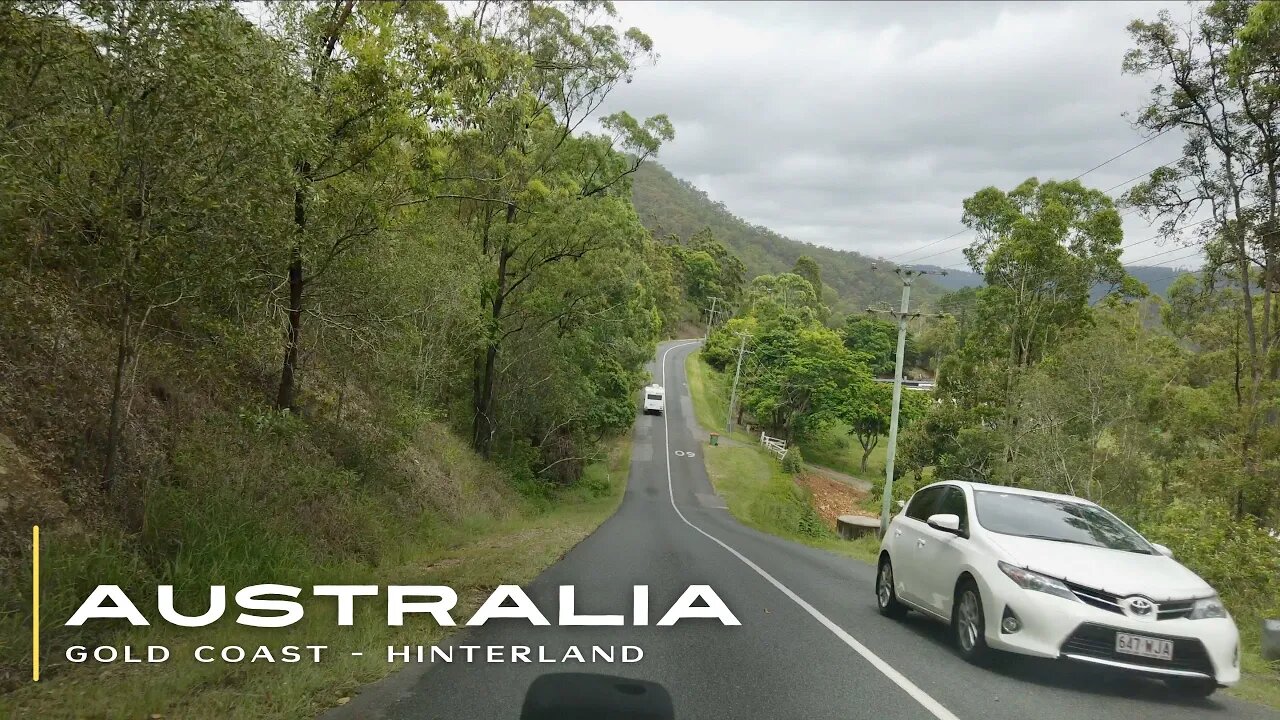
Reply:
x=715, y=438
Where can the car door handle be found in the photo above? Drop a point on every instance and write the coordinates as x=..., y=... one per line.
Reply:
x=920, y=543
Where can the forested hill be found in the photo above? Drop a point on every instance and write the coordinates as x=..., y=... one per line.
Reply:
x=668, y=205
x=1157, y=278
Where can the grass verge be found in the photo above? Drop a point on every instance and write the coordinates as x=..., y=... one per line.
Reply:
x=835, y=448
x=751, y=481
x=472, y=555
x=1259, y=680
x=763, y=497
x=709, y=389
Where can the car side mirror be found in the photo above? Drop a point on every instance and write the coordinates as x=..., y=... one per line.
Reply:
x=945, y=522
x=1162, y=550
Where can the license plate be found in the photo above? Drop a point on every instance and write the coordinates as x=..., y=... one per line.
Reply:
x=1144, y=646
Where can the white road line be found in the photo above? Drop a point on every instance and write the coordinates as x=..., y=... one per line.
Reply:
x=920, y=696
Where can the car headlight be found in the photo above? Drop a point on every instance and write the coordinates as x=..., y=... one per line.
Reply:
x=1028, y=580
x=1210, y=607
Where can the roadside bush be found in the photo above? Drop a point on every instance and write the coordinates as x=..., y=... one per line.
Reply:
x=793, y=461
x=903, y=487
x=1238, y=558
x=596, y=481
x=785, y=509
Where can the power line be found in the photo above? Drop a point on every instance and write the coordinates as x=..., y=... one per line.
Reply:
x=1130, y=245
x=1174, y=230
x=1077, y=177
x=926, y=245
x=1139, y=177
x=1195, y=254
x=953, y=308
x=940, y=252
x=1166, y=252
x=1126, y=152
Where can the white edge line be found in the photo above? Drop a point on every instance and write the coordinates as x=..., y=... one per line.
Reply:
x=876, y=661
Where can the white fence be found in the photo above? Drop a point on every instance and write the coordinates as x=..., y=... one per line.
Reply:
x=774, y=445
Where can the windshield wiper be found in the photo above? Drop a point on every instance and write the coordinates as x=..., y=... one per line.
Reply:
x=1062, y=539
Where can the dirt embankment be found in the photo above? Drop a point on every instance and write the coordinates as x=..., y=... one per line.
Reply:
x=832, y=498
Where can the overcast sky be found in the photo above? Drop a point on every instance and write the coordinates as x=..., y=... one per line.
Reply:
x=863, y=126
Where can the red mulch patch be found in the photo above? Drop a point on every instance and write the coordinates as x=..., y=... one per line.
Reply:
x=832, y=498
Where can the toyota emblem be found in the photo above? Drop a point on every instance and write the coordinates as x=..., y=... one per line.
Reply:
x=1139, y=606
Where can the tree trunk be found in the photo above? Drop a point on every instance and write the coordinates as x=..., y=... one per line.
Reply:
x=286, y=397
x=866, y=453
x=115, y=428
x=483, y=427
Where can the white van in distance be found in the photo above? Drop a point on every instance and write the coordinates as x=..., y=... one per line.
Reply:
x=653, y=399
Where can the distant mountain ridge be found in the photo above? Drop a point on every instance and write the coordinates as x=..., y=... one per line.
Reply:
x=669, y=205
x=1156, y=277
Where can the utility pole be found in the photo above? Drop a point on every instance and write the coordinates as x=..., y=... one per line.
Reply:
x=907, y=275
x=733, y=395
x=711, y=316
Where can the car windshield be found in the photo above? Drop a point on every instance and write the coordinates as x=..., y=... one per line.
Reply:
x=654, y=397
x=1047, y=518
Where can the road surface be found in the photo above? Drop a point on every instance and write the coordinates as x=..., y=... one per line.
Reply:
x=811, y=644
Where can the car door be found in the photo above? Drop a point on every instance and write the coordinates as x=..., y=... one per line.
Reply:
x=908, y=534
x=939, y=554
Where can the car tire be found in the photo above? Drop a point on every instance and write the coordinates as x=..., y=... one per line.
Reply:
x=968, y=623
x=1192, y=687
x=886, y=596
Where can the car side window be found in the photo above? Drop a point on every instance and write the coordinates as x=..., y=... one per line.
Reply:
x=953, y=502
x=922, y=504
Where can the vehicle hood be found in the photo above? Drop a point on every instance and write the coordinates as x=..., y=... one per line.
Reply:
x=1118, y=572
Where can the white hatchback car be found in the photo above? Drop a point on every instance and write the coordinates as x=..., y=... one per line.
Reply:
x=1054, y=576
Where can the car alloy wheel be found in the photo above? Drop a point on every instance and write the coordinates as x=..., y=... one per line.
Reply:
x=886, y=598
x=969, y=624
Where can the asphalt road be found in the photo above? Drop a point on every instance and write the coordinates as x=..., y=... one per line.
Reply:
x=811, y=644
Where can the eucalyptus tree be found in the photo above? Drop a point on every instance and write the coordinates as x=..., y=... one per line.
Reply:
x=374, y=110
x=1216, y=82
x=807, y=268
x=1040, y=248
x=543, y=70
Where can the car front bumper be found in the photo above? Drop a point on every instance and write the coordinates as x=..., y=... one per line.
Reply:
x=1054, y=627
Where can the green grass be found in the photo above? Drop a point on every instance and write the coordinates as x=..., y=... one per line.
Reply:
x=751, y=481
x=763, y=497
x=472, y=555
x=1259, y=681
x=709, y=389
x=835, y=448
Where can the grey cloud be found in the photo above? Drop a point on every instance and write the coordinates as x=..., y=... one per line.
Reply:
x=864, y=125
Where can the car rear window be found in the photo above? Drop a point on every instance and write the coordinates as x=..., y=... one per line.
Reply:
x=654, y=397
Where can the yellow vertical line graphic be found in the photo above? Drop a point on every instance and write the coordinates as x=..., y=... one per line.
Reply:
x=35, y=603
